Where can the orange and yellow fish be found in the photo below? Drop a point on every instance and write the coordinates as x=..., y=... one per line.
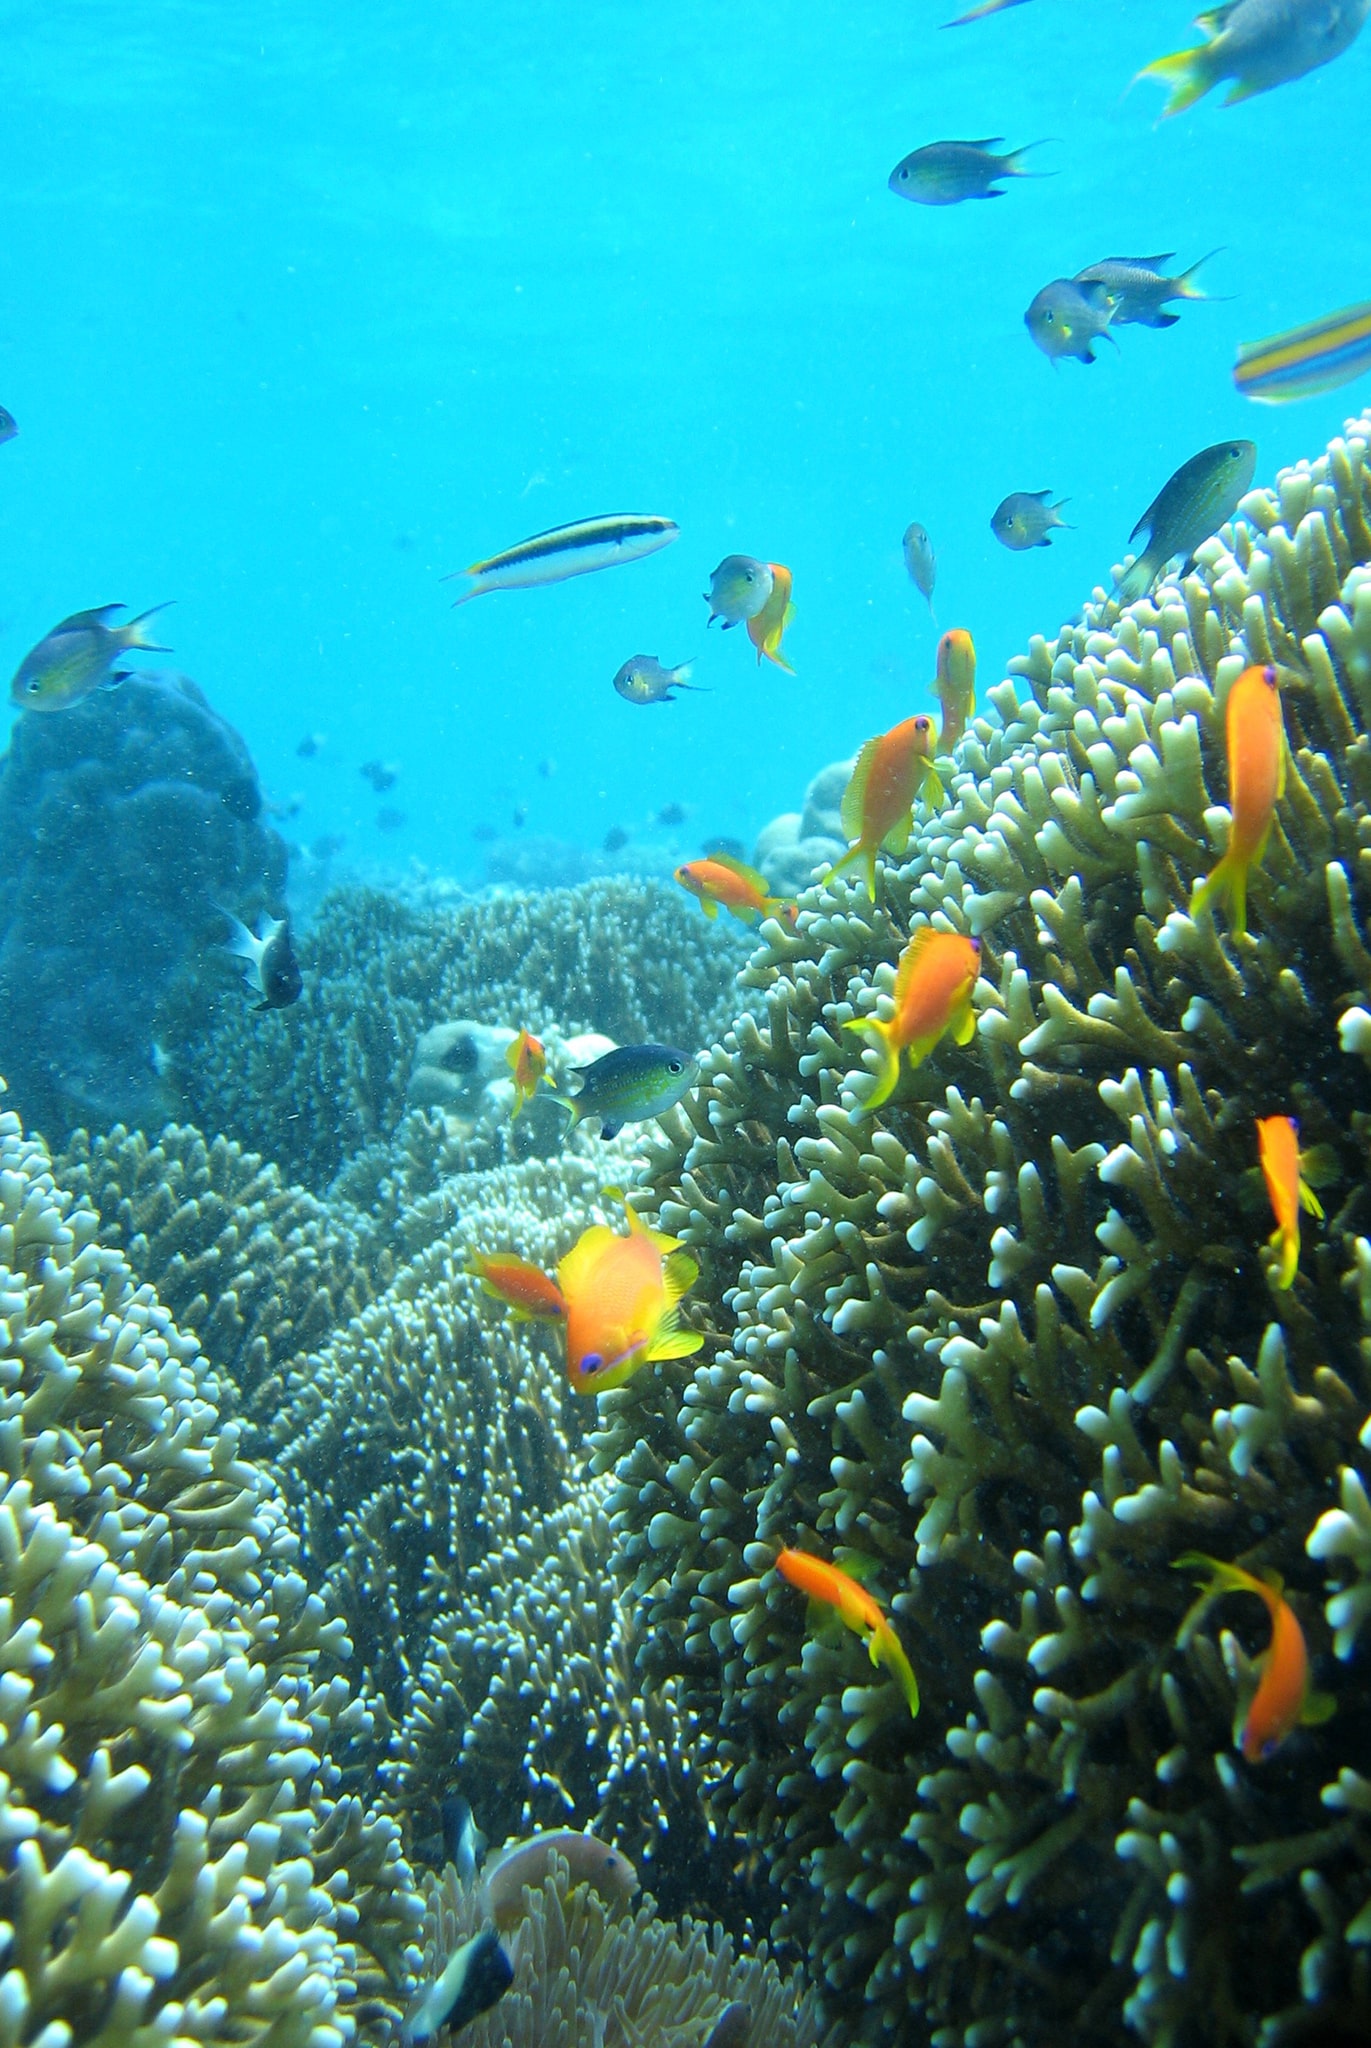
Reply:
x=956, y=685
x=1283, y=1700
x=719, y=879
x=1255, y=733
x=525, y=1288
x=1278, y=1142
x=527, y=1061
x=621, y=1296
x=856, y=1609
x=890, y=774
x=765, y=628
x=933, y=988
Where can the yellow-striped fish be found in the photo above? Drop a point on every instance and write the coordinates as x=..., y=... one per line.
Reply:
x=1306, y=360
x=569, y=551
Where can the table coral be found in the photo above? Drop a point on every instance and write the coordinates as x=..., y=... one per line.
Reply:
x=1011, y=1345
x=181, y=1858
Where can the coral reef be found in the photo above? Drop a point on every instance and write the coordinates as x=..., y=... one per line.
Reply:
x=587, y=1971
x=312, y=1086
x=793, y=846
x=1011, y=1346
x=183, y=1857
x=123, y=822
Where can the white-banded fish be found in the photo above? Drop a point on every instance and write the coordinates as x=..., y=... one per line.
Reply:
x=1304, y=361
x=573, y=550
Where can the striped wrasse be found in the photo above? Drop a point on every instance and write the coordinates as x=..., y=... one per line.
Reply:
x=1306, y=360
x=569, y=551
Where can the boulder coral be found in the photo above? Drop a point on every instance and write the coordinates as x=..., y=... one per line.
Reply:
x=1011, y=1346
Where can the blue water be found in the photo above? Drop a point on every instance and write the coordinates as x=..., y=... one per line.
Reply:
x=304, y=306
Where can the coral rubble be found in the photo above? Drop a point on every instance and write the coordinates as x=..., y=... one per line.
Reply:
x=1011, y=1346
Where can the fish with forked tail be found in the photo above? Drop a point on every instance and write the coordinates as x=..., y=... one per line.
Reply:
x=78, y=656
x=1192, y=504
x=1259, y=44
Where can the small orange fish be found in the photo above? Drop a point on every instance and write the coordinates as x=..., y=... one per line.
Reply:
x=933, y=987
x=956, y=685
x=621, y=1295
x=856, y=1609
x=527, y=1061
x=1255, y=732
x=1283, y=1700
x=740, y=889
x=1278, y=1142
x=890, y=773
x=523, y=1287
x=764, y=630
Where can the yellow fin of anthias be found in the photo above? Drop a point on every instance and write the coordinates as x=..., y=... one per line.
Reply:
x=854, y=796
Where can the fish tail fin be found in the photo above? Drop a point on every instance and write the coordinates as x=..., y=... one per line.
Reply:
x=569, y=1103
x=240, y=940
x=882, y=1038
x=887, y=1649
x=1137, y=578
x=1216, y=1577
x=471, y=578
x=132, y=634
x=1013, y=167
x=854, y=853
x=1183, y=286
x=1186, y=72
x=1286, y=1246
x=1226, y=884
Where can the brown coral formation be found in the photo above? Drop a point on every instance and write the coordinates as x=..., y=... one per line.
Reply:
x=1013, y=1344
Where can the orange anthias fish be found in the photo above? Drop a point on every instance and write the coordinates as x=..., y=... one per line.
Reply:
x=523, y=1287
x=1255, y=733
x=764, y=630
x=527, y=1061
x=1283, y=1700
x=621, y=1296
x=890, y=774
x=1278, y=1142
x=933, y=988
x=956, y=685
x=856, y=1608
x=720, y=879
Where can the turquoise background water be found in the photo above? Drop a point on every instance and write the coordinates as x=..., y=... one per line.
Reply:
x=304, y=306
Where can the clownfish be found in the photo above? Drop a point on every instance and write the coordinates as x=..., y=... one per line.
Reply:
x=933, y=988
x=765, y=627
x=856, y=1609
x=956, y=685
x=1255, y=734
x=525, y=1288
x=1278, y=1142
x=527, y=1062
x=1283, y=1700
x=889, y=775
x=719, y=879
x=621, y=1303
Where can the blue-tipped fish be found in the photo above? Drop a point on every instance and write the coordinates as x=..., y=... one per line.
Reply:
x=569, y=551
x=1306, y=360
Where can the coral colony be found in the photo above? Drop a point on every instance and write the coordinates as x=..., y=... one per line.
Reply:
x=1004, y=1350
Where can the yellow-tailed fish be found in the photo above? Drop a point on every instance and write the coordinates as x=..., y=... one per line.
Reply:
x=1025, y=520
x=1138, y=290
x=890, y=774
x=1067, y=319
x=1255, y=734
x=1278, y=1144
x=527, y=1062
x=1283, y=1699
x=764, y=628
x=933, y=989
x=1305, y=361
x=523, y=1287
x=563, y=551
x=78, y=656
x=720, y=880
x=946, y=173
x=621, y=1296
x=956, y=685
x=831, y=1586
x=1259, y=44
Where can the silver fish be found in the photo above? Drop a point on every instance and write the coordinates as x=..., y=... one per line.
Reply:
x=564, y=551
x=78, y=656
x=1065, y=318
x=1190, y=506
x=643, y=680
x=921, y=562
x=946, y=173
x=1024, y=519
x=1260, y=44
x=1138, y=290
x=738, y=590
x=270, y=967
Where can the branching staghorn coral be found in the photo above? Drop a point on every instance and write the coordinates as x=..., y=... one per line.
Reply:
x=180, y=1858
x=1011, y=1346
x=310, y=1086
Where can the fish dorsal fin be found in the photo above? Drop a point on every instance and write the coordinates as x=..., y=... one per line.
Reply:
x=1213, y=20
x=1318, y=1708
x=98, y=615
x=584, y=1255
x=984, y=142
x=680, y=1270
x=910, y=960
x=741, y=869
x=854, y=796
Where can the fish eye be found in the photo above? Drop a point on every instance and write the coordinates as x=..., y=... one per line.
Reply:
x=675, y=1066
x=33, y=686
x=591, y=1362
